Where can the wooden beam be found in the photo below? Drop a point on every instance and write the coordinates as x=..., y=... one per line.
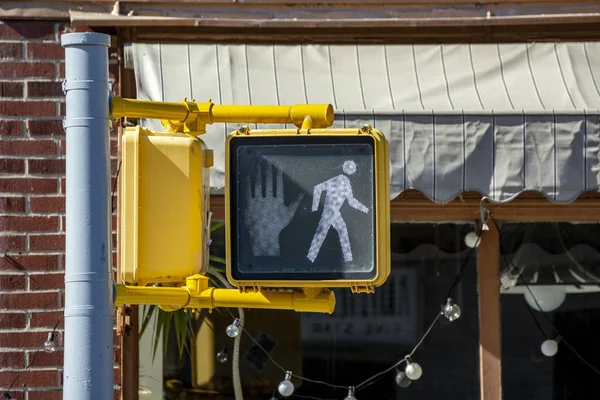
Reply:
x=412, y=206
x=490, y=366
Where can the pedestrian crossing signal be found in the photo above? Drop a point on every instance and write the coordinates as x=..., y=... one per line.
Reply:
x=307, y=208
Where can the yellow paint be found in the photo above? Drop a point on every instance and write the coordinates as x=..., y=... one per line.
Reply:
x=197, y=294
x=192, y=117
x=382, y=201
x=164, y=206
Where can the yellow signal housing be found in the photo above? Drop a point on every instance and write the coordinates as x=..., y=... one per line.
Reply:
x=291, y=270
x=164, y=206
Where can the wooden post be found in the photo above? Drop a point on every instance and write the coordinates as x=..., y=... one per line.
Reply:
x=128, y=315
x=489, y=314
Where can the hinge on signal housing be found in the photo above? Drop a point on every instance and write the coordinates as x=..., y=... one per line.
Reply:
x=362, y=287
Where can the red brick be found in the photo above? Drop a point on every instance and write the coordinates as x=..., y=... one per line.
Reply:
x=47, y=167
x=28, y=147
x=63, y=148
x=11, y=128
x=63, y=185
x=11, y=166
x=30, y=378
x=11, y=359
x=12, y=69
x=12, y=320
x=11, y=50
x=44, y=359
x=12, y=282
x=47, y=242
x=117, y=376
x=114, y=146
x=117, y=352
x=63, y=109
x=12, y=204
x=28, y=185
x=11, y=89
x=47, y=204
x=12, y=243
x=28, y=108
x=44, y=89
x=27, y=30
x=45, y=395
x=45, y=319
x=45, y=127
x=24, y=301
x=47, y=281
x=29, y=262
x=19, y=340
x=45, y=50
x=17, y=394
x=14, y=223
x=61, y=70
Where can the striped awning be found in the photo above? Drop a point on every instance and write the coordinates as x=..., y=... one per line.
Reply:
x=499, y=119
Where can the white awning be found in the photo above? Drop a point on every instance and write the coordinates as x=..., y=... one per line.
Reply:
x=495, y=118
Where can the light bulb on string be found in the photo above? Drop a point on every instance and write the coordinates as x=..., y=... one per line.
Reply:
x=549, y=347
x=49, y=346
x=413, y=370
x=472, y=239
x=223, y=356
x=451, y=311
x=350, y=394
x=401, y=379
x=233, y=330
x=286, y=387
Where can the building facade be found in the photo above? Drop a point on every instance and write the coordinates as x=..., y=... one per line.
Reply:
x=436, y=79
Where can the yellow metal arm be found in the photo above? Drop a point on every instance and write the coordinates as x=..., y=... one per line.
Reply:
x=193, y=117
x=197, y=294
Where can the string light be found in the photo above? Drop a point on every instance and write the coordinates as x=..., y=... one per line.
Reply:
x=233, y=330
x=413, y=370
x=451, y=311
x=472, y=239
x=49, y=346
x=286, y=387
x=401, y=379
x=350, y=394
x=223, y=356
x=549, y=347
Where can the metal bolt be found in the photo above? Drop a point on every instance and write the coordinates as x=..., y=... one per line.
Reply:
x=364, y=128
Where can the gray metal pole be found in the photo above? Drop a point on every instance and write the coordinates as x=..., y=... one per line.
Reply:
x=88, y=365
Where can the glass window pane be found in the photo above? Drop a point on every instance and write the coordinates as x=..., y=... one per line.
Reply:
x=560, y=268
x=369, y=333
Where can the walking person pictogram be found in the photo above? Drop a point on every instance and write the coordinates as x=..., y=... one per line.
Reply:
x=337, y=191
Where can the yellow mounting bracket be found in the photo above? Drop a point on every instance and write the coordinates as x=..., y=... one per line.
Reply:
x=191, y=117
x=197, y=294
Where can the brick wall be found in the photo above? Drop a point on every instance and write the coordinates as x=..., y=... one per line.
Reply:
x=32, y=205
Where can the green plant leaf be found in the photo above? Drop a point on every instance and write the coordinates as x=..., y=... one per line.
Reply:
x=180, y=318
x=158, y=327
x=218, y=259
x=217, y=225
x=148, y=312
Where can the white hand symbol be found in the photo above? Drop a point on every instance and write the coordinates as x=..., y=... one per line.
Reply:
x=267, y=216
